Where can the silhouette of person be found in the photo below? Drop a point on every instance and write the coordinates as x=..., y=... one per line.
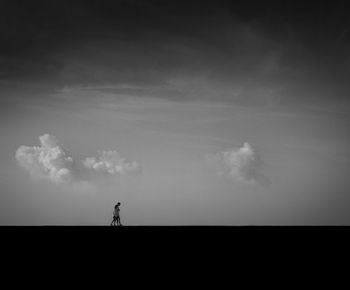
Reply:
x=116, y=215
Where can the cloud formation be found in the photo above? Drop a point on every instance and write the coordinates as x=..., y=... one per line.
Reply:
x=242, y=164
x=51, y=161
x=47, y=161
x=112, y=163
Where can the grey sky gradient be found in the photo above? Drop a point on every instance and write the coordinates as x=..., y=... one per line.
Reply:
x=179, y=88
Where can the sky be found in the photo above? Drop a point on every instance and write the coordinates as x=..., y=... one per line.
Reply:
x=185, y=112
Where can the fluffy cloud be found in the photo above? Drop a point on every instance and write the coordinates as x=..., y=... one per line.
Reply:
x=243, y=164
x=47, y=161
x=51, y=161
x=112, y=163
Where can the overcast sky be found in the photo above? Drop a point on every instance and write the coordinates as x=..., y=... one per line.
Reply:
x=186, y=112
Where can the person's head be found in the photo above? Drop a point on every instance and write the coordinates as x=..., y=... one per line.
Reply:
x=118, y=204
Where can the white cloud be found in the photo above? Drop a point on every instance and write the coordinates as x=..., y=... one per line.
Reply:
x=242, y=164
x=47, y=161
x=51, y=161
x=112, y=163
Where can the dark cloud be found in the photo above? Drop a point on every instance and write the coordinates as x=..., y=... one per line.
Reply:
x=298, y=49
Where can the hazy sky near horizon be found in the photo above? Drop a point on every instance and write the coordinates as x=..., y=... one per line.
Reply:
x=228, y=113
